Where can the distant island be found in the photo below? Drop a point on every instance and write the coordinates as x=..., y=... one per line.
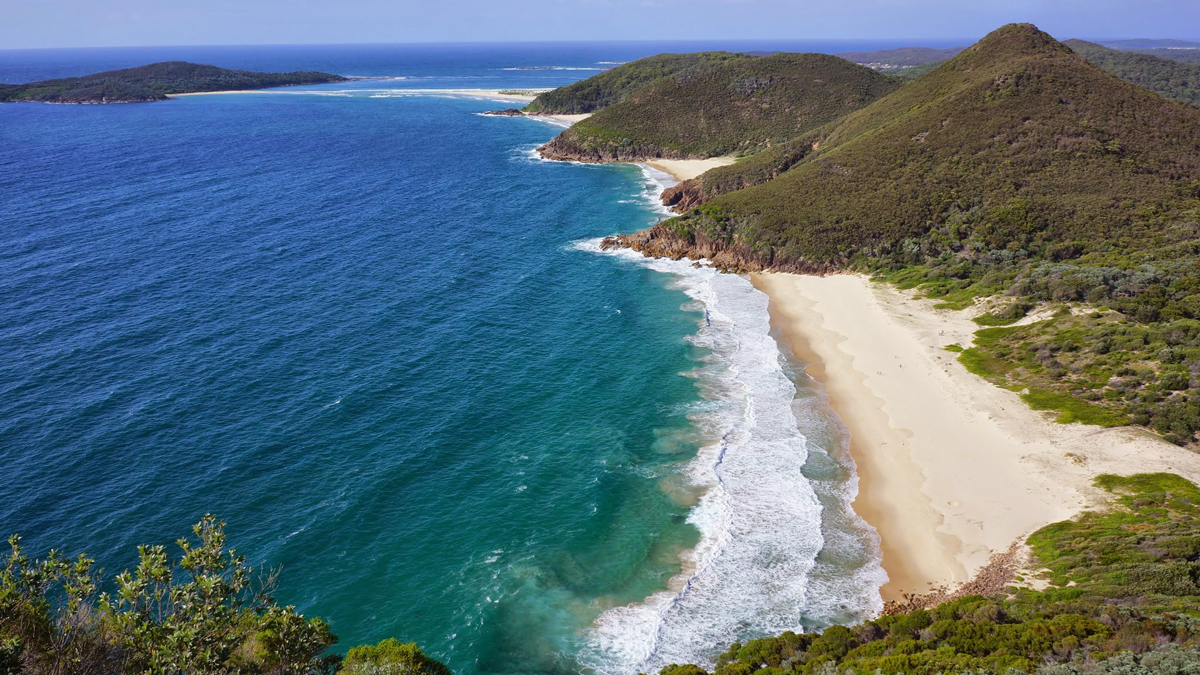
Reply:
x=154, y=82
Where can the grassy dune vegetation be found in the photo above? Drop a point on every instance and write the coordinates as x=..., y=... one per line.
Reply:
x=153, y=83
x=741, y=107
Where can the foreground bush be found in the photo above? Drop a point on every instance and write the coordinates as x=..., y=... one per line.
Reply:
x=390, y=657
x=206, y=612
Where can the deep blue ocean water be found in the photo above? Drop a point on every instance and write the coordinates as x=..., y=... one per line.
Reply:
x=370, y=330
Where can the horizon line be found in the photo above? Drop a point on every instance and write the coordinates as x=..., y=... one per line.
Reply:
x=557, y=42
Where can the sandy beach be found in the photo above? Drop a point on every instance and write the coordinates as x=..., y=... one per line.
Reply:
x=683, y=169
x=951, y=467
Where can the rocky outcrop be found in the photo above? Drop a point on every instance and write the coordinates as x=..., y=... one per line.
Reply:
x=661, y=242
x=510, y=112
x=685, y=196
x=566, y=147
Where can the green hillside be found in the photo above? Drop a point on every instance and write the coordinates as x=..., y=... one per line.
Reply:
x=153, y=83
x=1015, y=168
x=741, y=107
x=613, y=86
x=1173, y=79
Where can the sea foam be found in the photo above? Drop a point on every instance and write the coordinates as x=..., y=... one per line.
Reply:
x=759, y=518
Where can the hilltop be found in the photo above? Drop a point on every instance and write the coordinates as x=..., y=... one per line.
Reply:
x=154, y=82
x=614, y=86
x=742, y=106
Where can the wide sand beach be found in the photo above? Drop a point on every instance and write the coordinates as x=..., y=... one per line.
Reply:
x=951, y=468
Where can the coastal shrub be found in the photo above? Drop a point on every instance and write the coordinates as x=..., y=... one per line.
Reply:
x=1011, y=313
x=205, y=611
x=392, y=657
x=1169, y=660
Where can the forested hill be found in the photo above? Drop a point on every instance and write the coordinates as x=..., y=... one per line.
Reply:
x=154, y=82
x=613, y=86
x=1173, y=79
x=741, y=106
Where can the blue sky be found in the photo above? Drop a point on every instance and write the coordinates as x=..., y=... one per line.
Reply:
x=91, y=23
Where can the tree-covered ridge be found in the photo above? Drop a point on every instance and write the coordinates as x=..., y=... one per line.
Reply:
x=1184, y=55
x=203, y=612
x=1173, y=79
x=901, y=58
x=741, y=107
x=615, y=85
x=1122, y=596
x=153, y=83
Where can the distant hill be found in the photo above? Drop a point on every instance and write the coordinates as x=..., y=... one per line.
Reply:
x=153, y=82
x=1175, y=50
x=892, y=60
x=740, y=107
x=1139, y=45
x=613, y=86
x=1180, y=81
x=1183, y=55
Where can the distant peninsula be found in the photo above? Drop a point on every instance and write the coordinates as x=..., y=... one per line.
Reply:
x=154, y=82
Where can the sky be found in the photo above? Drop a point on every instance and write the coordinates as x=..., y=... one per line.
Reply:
x=111, y=23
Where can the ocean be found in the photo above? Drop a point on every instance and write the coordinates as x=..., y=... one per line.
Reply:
x=371, y=331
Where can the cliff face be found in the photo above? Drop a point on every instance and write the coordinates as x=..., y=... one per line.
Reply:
x=685, y=195
x=735, y=257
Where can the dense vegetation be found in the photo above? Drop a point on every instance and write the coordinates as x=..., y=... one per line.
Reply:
x=153, y=83
x=741, y=107
x=205, y=612
x=1173, y=79
x=613, y=86
x=1123, y=597
x=1098, y=367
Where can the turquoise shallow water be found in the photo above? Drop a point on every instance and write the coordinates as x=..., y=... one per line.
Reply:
x=372, y=332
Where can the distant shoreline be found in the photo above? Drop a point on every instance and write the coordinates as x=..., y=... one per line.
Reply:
x=497, y=94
